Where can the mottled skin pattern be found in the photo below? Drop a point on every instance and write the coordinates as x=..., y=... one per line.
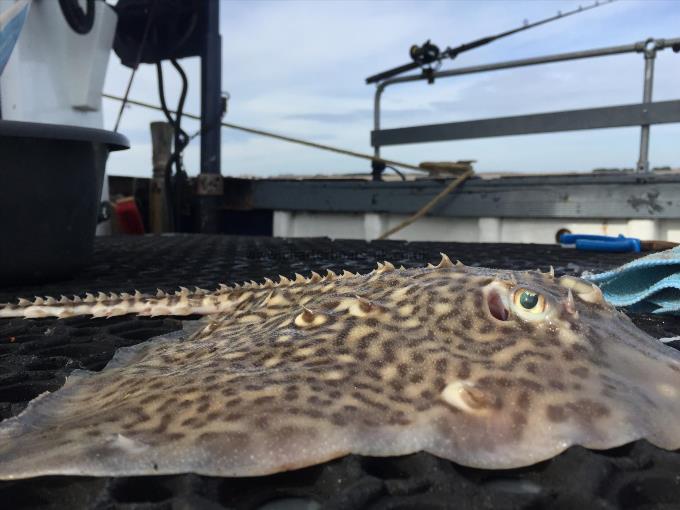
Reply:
x=289, y=374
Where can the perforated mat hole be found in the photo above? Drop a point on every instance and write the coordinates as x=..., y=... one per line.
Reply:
x=130, y=323
x=143, y=333
x=74, y=351
x=22, y=499
x=620, y=451
x=51, y=363
x=84, y=332
x=383, y=468
x=252, y=492
x=28, y=391
x=10, y=330
x=482, y=476
x=81, y=321
x=510, y=485
x=290, y=504
x=144, y=489
x=42, y=339
x=650, y=492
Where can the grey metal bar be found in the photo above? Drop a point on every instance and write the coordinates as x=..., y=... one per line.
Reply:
x=211, y=109
x=569, y=120
x=608, y=195
x=638, y=47
x=643, y=46
x=376, y=115
x=211, y=88
x=643, y=161
x=547, y=59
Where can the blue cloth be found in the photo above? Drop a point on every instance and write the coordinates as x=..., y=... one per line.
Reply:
x=648, y=284
x=10, y=27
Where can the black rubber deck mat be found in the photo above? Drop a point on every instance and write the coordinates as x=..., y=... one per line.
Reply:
x=37, y=355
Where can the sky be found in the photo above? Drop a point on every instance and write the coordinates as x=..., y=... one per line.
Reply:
x=298, y=68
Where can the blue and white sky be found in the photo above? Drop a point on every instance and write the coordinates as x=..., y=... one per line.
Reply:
x=298, y=68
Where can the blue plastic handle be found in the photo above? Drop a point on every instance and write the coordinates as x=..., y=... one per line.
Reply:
x=573, y=238
x=612, y=245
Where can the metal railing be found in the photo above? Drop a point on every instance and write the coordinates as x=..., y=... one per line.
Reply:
x=643, y=114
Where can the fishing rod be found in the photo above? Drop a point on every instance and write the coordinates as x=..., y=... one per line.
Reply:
x=429, y=53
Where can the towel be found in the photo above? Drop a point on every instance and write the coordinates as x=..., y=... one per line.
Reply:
x=11, y=22
x=648, y=284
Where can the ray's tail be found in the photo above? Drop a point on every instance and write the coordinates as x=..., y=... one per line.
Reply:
x=182, y=302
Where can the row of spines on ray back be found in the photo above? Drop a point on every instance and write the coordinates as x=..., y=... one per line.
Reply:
x=111, y=299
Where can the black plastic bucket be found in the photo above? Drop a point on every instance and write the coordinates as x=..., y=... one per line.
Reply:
x=51, y=180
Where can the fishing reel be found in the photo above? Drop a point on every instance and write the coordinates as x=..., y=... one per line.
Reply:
x=424, y=56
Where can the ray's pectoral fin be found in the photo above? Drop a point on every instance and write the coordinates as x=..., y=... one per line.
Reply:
x=650, y=381
x=194, y=330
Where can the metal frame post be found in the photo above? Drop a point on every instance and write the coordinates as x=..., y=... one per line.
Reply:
x=162, y=134
x=209, y=182
x=650, y=56
x=377, y=167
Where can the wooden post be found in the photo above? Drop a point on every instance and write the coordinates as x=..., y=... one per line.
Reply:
x=161, y=146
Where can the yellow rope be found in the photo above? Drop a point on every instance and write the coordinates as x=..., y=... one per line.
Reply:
x=424, y=210
x=346, y=152
x=419, y=214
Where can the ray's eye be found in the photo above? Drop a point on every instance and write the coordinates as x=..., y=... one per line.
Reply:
x=529, y=301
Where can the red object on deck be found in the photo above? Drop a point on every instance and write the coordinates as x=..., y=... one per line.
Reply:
x=128, y=217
